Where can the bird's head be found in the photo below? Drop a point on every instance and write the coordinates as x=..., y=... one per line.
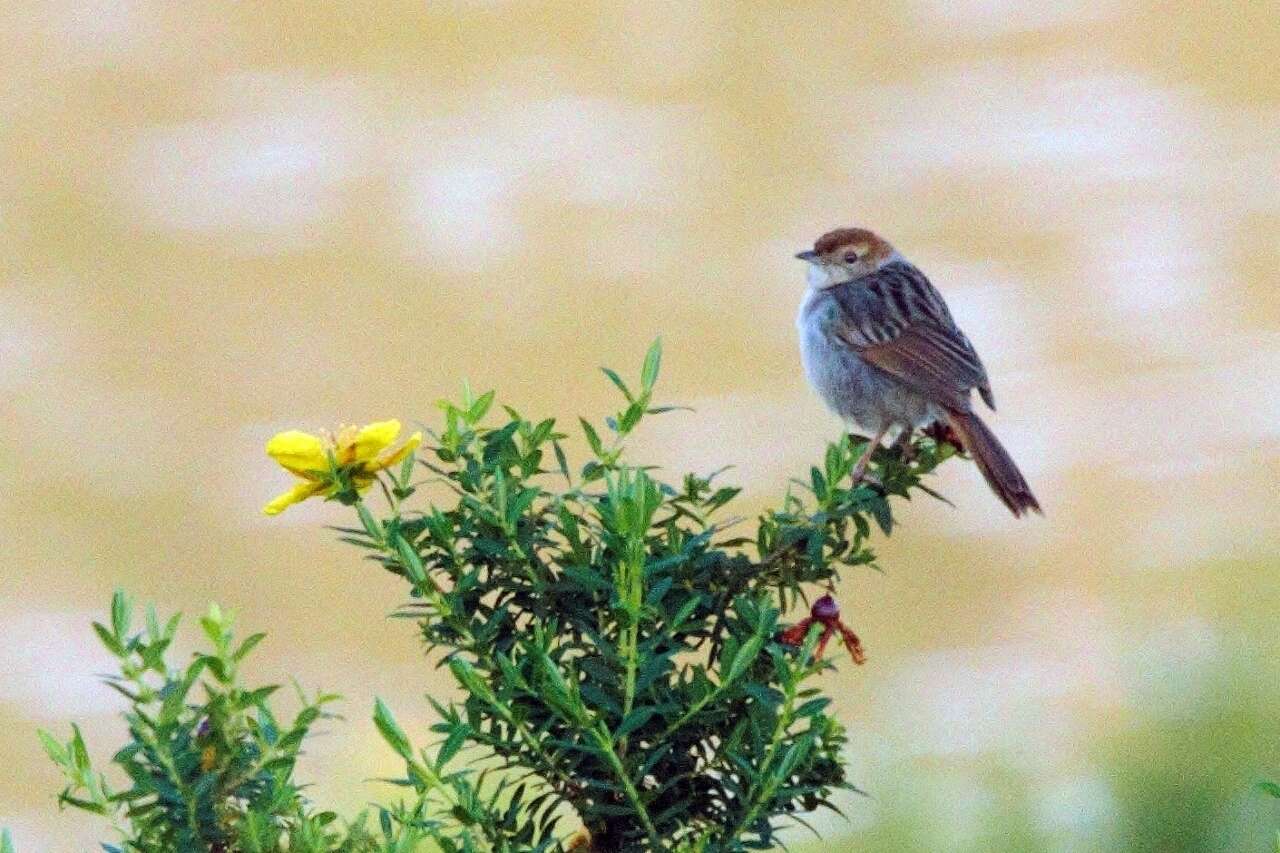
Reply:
x=845, y=255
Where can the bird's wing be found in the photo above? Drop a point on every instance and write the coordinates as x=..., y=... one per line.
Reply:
x=901, y=325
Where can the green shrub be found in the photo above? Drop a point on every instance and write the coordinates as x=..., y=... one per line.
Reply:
x=619, y=650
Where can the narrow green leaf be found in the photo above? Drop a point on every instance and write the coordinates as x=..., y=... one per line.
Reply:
x=370, y=524
x=121, y=611
x=411, y=561
x=153, y=623
x=82, y=804
x=593, y=438
x=631, y=417
x=766, y=696
x=562, y=461
x=635, y=720
x=391, y=731
x=452, y=744
x=79, y=753
x=882, y=514
x=658, y=591
x=480, y=407
x=247, y=646
x=797, y=753
x=587, y=578
x=467, y=676
x=652, y=363
x=56, y=751
x=617, y=380
x=406, y=473
x=108, y=639
x=818, y=482
x=813, y=707
x=743, y=658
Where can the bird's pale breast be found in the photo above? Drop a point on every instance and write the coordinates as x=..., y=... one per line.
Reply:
x=852, y=388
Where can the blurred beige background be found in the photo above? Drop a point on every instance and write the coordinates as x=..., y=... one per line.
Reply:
x=218, y=220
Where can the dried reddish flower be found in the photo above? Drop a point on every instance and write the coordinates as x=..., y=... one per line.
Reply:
x=826, y=612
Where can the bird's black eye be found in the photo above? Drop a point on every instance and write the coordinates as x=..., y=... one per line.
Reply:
x=851, y=258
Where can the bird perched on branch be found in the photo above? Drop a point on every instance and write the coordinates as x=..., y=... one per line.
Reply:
x=880, y=346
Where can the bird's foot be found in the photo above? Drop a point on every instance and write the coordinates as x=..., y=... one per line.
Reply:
x=859, y=470
x=942, y=433
x=905, y=449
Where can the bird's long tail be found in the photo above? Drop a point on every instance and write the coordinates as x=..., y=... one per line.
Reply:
x=995, y=463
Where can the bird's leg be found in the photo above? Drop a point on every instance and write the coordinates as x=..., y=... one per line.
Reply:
x=860, y=467
x=903, y=444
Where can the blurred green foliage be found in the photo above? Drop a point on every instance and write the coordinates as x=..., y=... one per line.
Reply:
x=1180, y=779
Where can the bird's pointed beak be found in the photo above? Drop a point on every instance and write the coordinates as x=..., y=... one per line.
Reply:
x=808, y=255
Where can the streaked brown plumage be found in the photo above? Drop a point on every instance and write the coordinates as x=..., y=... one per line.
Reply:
x=881, y=347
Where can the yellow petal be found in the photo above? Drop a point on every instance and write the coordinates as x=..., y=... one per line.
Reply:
x=297, y=494
x=405, y=449
x=344, y=444
x=373, y=439
x=298, y=451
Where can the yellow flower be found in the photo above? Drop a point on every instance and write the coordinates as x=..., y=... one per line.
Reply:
x=354, y=455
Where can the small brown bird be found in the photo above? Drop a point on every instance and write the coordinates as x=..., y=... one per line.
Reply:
x=880, y=346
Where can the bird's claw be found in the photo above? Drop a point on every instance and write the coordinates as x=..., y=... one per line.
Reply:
x=904, y=447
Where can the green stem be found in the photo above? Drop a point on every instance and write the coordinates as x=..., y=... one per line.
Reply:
x=761, y=795
x=604, y=739
x=527, y=738
x=432, y=591
x=729, y=678
x=693, y=711
x=435, y=783
x=633, y=654
x=370, y=524
x=171, y=770
x=634, y=603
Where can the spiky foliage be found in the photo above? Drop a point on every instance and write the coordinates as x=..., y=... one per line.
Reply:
x=616, y=642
